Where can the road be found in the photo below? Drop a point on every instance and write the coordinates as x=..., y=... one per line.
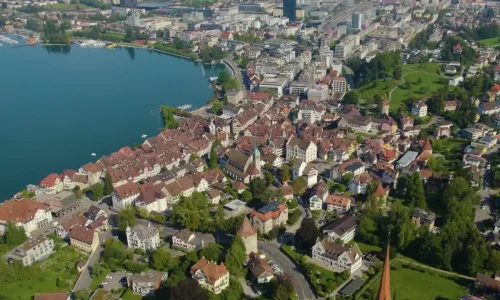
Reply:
x=84, y=281
x=480, y=215
x=272, y=251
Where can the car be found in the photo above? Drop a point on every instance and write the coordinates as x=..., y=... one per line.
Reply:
x=104, y=282
x=483, y=207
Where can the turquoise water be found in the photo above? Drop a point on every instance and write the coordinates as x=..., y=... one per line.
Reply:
x=57, y=106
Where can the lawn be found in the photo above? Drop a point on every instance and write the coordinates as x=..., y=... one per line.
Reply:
x=365, y=248
x=379, y=86
x=427, y=87
x=129, y=295
x=490, y=42
x=67, y=6
x=413, y=283
x=54, y=274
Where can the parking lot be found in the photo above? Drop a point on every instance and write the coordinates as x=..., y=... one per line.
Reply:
x=112, y=281
x=277, y=270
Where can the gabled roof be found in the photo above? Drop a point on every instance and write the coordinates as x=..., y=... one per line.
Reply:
x=246, y=229
x=342, y=225
x=211, y=270
x=21, y=210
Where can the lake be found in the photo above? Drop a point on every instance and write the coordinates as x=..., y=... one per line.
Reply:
x=58, y=105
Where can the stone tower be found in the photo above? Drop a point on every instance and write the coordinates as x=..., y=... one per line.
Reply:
x=249, y=236
x=385, y=106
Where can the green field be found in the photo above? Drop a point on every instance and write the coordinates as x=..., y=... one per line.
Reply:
x=413, y=283
x=54, y=274
x=490, y=42
x=66, y=6
x=379, y=86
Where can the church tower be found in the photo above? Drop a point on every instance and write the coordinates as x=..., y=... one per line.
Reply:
x=384, y=293
x=256, y=155
x=249, y=236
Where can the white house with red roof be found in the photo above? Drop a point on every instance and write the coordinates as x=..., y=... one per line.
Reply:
x=53, y=184
x=125, y=194
x=25, y=213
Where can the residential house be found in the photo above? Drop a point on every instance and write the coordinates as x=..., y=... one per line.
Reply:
x=143, y=237
x=300, y=149
x=338, y=203
x=489, y=108
x=84, y=239
x=337, y=256
x=315, y=203
x=259, y=268
x=214, y=196
x=184, y=187
x=353, y=166
x=125, y=194
x=419, y=109
x=423, y=217
x=339, y=85
x=210, y=275
x=93, y=171
x=187, y=240
x=357, y=123
x=94, y=213
x=359, y=184
x=32, y=250
x=26, y=213
x=152, y=198
x=53, y=184
x=146, y=283
x=306, y=170
x=343, y=228
x=486, y=283
x=274, y=214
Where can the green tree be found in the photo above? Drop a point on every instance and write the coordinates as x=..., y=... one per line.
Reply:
x=269, y=178
x=217, y=106
x=307, y=234
x=188, y=289
x=236, y=256
x=284, y=289
x=97, y=191
x=81, y=295
x=351, y=97
x=397, y=72
x=246, y=196
x=211, y=252
x=415, y=190
x=213, y=162
x=161, y=260
x=169, y=120
x=299, y=186
x=126, y=217
x=14, y=235
x=285, y=173
x=108, y=185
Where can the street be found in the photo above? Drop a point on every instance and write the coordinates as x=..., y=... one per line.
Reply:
x=272, y=251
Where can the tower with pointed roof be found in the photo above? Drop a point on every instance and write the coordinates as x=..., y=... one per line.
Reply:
x=249, y=236
x=385, y=105
x=384, y=293
x=381, y=193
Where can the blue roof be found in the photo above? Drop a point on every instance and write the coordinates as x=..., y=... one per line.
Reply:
x=273, y=206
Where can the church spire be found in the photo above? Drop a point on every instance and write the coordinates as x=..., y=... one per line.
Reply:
x=384, y=292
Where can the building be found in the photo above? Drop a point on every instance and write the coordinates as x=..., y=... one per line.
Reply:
x=339, y=85
x=308, y=112
x=274, y=214
x=357, y=21
x=249, y=236
x=276, y=83
x=25, y=213
x=187, y=240
x=343, y=228
x=33, y=250
x=337, y=256
x=300, y=149
x=338, y=203
x=290, y=9
x=243, y=167
x=129, y=3
x=353, y=166
x=234, y=96
x=84, y=239
x=306, y=170
x=125, y=194
x=52, y=296
x=423, y=217
x=94, y=213
x=143, y=237
x=146, y=283
x=53, y=182
x=260, y=268
x=419, y=109
x=210, y=275
x=407, y=159
x=317, y=92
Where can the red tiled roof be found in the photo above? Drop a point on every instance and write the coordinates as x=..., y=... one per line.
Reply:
x=246, y=229
x=211, y=270
x=19, y=210
x=82, y=234
x=50, y=180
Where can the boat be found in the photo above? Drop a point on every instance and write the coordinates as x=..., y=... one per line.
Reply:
x=93, y=154
x=110, y=46
x=144, y=136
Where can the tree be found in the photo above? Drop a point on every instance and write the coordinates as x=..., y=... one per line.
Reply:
x=169, y=120
x=126, y=217
x=81, y=294
x=269, y=178
x=236, y=256
x=97, y=191
x=194, y=156
x=246, y=196
x=213, y=162
x=397, y=73
x=161, y=260
x=415, y=190
x=351, y=97
x=217, y=106
x=284, y=289
x=188, y=289
x=97, y=270
x=108, y=184
x=14, y=235
x=285, y=173
x=299, y=186
x=307, y=234
x=211, y=252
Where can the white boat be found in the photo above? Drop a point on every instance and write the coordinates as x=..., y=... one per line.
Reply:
x=93, y=154
x=144, y=136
